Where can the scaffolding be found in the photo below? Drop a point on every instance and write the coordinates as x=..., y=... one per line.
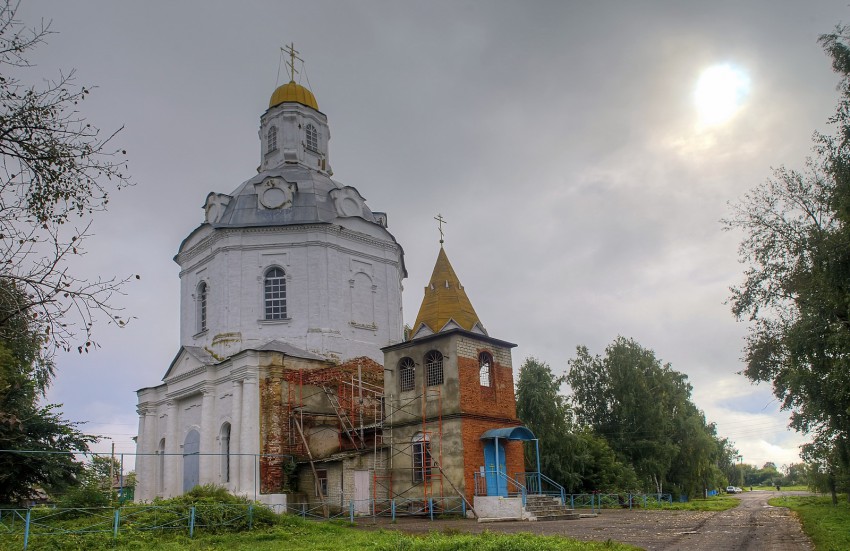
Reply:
x=353, y=394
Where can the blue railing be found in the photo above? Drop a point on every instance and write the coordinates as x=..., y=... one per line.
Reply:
x=599, y=501
x=540, y=484
x=502, y=481
x=41, y=522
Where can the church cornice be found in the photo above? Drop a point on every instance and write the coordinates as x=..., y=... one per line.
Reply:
x=207, y=245
x=507, y=421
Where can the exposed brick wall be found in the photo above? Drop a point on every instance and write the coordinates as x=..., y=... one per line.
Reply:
x=273, y=414
x=498, y=400
x=288, y=382
x=473, y=451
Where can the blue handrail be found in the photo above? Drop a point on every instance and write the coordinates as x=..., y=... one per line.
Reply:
x=534, y=481
x=481, y=484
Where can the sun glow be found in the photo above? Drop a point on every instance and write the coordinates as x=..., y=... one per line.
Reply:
x=720, y=92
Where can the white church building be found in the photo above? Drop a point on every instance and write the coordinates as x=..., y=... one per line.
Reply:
x=292, y=266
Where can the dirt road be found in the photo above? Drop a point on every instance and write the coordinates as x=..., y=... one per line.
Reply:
x=752, y=526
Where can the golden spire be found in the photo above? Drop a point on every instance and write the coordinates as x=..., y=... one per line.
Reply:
x=445, y=300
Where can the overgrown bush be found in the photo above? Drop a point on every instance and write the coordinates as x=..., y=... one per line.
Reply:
x=216, y=510
x=83, y=497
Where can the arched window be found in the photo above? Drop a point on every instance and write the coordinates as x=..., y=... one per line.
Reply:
x=434, y=368
x=275, y=294
x=485, y=369
x=421, y=457
x=271, y=140
x=406, y=374
x=224, y=450
x=202, y=306
x=312, y=138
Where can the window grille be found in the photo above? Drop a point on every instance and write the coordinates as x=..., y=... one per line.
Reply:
x=434, y=368
x=485, y=368
x=275, y=294
x=272, y=139
x=421, y=457
x=312, y=138
x=406, y=374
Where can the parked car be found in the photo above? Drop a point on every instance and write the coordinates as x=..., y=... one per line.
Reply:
x=732, y=490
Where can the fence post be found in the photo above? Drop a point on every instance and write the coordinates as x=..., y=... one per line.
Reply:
x=644, y=501
x=303, y=510
x=431, y=507
x=392, y=506
x=463, y=506
x=572, y=501
x=250, y=516
x=192, y=521
x=27, y=529
x=115, y=522
x=351, y=510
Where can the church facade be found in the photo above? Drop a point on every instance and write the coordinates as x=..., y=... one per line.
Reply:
x=294, y=379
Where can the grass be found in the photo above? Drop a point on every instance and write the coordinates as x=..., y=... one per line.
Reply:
x=293, y=533
x=713, y=503
x=825, y=523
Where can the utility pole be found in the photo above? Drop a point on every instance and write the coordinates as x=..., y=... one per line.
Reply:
x=111, y=471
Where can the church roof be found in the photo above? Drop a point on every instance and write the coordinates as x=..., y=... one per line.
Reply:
x=295, y=93
x=312, y=200
x=289, y=350
x=445, y=305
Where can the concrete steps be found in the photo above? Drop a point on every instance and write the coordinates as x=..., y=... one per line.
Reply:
x=543, y=507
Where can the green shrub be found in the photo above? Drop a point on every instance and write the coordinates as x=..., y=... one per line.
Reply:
x=216, y=510
x=84, y=496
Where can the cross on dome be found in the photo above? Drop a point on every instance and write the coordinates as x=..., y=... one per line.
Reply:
x=293, y=55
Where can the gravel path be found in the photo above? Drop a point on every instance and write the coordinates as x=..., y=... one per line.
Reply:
x=752, y=526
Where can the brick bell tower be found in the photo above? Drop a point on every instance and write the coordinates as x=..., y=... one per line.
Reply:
x=451, y=409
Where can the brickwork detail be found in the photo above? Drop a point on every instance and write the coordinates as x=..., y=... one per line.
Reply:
x=292, y=386
x=498, y=400
x=473, y=451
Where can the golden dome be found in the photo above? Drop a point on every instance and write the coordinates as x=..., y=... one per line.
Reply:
x=292, y=92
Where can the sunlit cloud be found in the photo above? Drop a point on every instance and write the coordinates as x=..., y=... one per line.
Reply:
x=720, y=93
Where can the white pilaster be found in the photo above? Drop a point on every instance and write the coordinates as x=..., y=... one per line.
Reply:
x=208, y=461
x=236, y=438
x=173, y=458
x=249, y=436
x=144, y=481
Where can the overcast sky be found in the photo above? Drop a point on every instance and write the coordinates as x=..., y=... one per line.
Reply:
x=582, y=183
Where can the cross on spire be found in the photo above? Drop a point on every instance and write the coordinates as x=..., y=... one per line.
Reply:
x=440, y=221
x=293, y=55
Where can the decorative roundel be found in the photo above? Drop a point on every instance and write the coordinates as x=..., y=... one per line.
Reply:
x=350, y=207
x=274, y=198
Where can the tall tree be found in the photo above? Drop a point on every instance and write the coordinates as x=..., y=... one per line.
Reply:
x=546, y=413
x=56, y=169
x=796, y=289
x=643, y=409
x=35, y=441
x=572, y=455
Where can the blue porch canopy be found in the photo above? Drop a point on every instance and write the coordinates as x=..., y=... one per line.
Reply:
x=509, y=433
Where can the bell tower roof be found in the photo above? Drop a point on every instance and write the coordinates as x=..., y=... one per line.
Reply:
x=445, y=305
